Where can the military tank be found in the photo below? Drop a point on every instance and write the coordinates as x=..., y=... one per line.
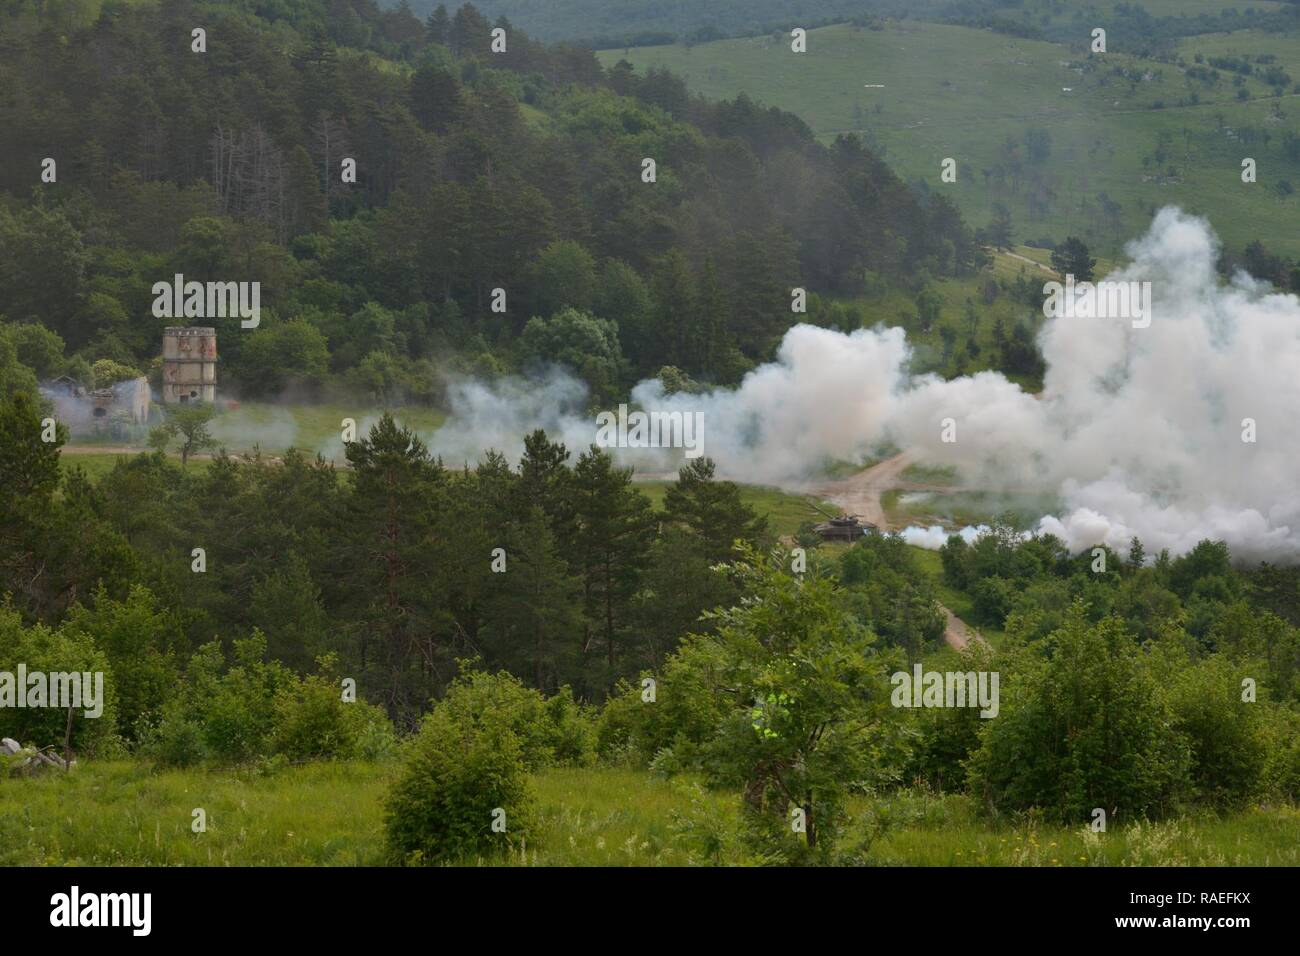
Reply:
x=841, y=527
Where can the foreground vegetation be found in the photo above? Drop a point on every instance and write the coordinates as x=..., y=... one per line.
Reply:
x=679, y=638
x=126, y=813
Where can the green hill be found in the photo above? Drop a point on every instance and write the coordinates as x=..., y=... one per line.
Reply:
x=1071, y=144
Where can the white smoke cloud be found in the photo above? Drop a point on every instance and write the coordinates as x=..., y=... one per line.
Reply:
x=497, y=415
x=269, y=427
x=935, y=536
x=1137, y=430
x=1140, y=429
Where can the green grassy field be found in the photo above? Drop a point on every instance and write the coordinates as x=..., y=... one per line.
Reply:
x=315, y=428
x=785, y=512
x=1152, y=137
x=275, y=427
x=97, y=465
x=957, y=509
x=331, y=814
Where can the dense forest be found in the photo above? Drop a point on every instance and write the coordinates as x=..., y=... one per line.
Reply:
x=476, y=171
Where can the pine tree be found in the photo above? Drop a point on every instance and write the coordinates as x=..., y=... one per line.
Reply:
x=394, y=552
x=470, y=32
x=1071, y=258
x=436, y=99
x=712, y=320
x=438, y=26
x=713, y=511
x=673, y=293
x=533, y=616
x=615, y=527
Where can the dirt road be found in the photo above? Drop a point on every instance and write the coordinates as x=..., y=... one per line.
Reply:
x=955, y=632
x=1032, y=262
x=860, y=495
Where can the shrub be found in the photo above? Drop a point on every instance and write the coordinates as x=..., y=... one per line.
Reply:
x=49, y=652
x=572, y=730
x=313, y=721
x=176, y=742
x=459, y=770
x=549, y=732
x=259, y=709
x=1083, y=724
x=141, y=641
x=689, y=705
x=1228, y=736
x=991, y=600
x=237, y=710
x=1284, y=760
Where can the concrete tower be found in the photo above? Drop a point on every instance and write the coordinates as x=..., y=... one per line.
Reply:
x=189, y=365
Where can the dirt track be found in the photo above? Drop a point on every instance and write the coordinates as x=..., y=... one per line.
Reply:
x=104, y=450
x=860, y=495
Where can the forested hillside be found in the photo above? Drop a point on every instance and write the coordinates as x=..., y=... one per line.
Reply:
x=475, y=171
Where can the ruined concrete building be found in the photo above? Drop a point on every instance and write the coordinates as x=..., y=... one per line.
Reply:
x=189, y=365
x=99, y=411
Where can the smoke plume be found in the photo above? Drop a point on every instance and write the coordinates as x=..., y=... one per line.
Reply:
x=1138, y=430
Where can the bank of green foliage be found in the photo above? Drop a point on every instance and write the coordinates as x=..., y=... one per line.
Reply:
x=1139, y=686
x=1149, y=689
x=250, y=707
x=48, y=651
x=596, y=586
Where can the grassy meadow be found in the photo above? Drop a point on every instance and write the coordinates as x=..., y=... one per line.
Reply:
x=1150, y=137
x=269, y=427
x=331, y=814
x=785, y=512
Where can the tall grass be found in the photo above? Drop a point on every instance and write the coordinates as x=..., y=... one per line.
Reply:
x=331, y=814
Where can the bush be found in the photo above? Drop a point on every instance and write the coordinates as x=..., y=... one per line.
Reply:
x=176, y=742
x=313, y=721
x=684, y=716
x=991, y=600
x=549, y=732
x=571, y=729
x=1083, y=724
x=259, y=709
x=237, y=710
x=1284, y=762
x=459, y=771
x=1228, y=736
x=49, y=652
